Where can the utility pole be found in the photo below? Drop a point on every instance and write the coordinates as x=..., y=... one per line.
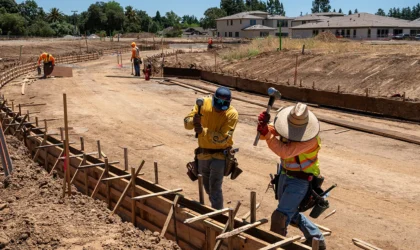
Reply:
x=74, y=20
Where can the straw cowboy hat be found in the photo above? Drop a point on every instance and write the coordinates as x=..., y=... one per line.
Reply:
x=297, y=123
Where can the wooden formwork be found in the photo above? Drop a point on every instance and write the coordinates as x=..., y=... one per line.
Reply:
x=151, y=213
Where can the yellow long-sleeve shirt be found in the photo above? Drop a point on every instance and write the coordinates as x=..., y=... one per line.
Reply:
x=218, y=128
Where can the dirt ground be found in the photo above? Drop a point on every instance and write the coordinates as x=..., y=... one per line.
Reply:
x=384, y=72
x=377, y=199
x=33, y=215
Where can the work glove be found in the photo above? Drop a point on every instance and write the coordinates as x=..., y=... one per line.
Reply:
x=198, y=128
x=264, y=117
x=197, y=119
x=262, y=128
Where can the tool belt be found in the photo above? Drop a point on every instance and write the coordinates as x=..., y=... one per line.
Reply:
x=298, y=175
x=313, y=195
x=231, y=166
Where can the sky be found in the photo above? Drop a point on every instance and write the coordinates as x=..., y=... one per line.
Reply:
x=197, y=7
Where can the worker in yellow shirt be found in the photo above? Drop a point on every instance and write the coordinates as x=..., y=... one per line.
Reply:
x=49, y=63
x=215, y=127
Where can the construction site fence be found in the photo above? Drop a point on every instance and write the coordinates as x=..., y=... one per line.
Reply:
x=380, y=106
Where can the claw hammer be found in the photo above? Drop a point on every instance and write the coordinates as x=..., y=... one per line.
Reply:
x=199, y=102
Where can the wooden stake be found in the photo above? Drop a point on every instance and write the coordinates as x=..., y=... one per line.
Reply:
x=66, y=144
x=365, y=245
x=131, y=184
x=170, y=216
x=83, y=162
x=200, y=189
x=206, y=216
x=85, y=171
x=156, y=173
x=281, y=243
x=241, y=229
x=230, y=229
x=296, y=69
x=108, y=188
x=235, y=211
x=82, y=144
x=157, y=194
x=56, y=162
x=20, y=109
x=36, y=122
x=61, y=134
x=330, y=214
x=99, y=149
x=253, y=205
x=64, y=174
x=126, y=159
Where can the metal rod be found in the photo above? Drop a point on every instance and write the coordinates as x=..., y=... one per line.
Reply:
x=253, y=205
x=156, y=173
x=200, y=189
x=126, y=159
x=99, y=149
x=82, y=143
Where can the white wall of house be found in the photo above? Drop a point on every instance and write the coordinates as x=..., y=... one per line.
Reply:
x=227, y=27
x=360, y=34
x=255, y=33
x=296, y=23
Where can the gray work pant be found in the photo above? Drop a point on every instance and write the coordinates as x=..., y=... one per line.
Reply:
x=213, y=172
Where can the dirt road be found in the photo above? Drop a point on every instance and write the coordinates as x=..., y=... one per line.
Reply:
x=377, y=198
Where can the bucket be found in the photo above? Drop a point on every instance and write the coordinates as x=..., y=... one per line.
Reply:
x=319, y=208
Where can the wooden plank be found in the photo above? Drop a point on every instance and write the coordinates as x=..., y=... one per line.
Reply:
x=235, y=211
x=205, y=216
x=157, y=194
x=246, y=216
x=282, y=243
x=326, y=229
x=61, y=71
x=241, y=229
x=366, y=244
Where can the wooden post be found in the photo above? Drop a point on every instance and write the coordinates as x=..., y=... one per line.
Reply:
x=301, y=81
x=303, y=49
x=86, y=175
x=126, y=159
x=64, y=172
x=297, y=57
x=315, y=243
x=313, y=85
x=87, y=47
x=215, y=62
x=66, y=144
x=99, y=149
x=404, y=97
x=108, y=189
x=133, y=194
x=82, y=144
x=36, y=122
x=200, y=189
x=156, y=173
x=253, y=205
x=20, y=109
x=367, y=92
x=231, y=226
x=338, y=89
x=29, y=118
x=61, y=133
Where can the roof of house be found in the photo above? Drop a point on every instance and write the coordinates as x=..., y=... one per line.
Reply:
x=360, y=20
x=258, y=27
x=311, y=17
x=245, y=15
x=329, y=14
x=279, y=17
x=199, y=29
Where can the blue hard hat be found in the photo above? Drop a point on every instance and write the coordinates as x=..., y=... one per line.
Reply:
x=222, y=99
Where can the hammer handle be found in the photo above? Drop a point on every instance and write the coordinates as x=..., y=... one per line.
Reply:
x=257, y=138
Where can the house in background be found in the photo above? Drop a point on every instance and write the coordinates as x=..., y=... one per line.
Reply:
x=252, y=24
x=358, y=26
x=195, y=31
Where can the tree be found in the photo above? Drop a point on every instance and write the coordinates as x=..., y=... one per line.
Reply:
x=29, y=10
x=270, y=7
x=210, y=16
x=171, y=19
x=380, y=12
x=55, y=15
x=350, y=13
x=61, y=28
x=356, y=11
x=278, y=8
x=145, y=21
x=334, y=10
x=229, y=6
x=239, y=6
x=130, y=14
x=9, y=5
x=157, y=17
x=340, y=11
x=321, y=6
x=96, y=19
x=41, y=28
x=12, y=23
x=115, y=16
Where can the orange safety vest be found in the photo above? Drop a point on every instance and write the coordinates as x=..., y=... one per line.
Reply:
x=306, y=162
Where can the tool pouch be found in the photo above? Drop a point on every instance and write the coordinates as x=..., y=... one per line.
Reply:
x=312, y=196
x=231, y=167
x=192, y=167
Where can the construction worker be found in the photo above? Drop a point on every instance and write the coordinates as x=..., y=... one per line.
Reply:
x=215, y=127
x=210, y=43
x=135, y=55
x=49, y=63
x=294, y=138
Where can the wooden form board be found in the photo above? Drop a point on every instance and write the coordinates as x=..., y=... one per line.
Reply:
x=152, y=213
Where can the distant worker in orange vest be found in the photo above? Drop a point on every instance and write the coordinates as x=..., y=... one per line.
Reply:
x=135, y=55
x=210, y=43
x=49, y=63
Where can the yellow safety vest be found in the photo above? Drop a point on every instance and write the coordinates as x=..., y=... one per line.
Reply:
x=306, y=162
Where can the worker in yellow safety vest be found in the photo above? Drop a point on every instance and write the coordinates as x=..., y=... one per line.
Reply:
x=135, y=56
x=294, y=137
x=49, y=63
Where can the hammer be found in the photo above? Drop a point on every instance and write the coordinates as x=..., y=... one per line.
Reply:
x=199, y=102
x=274, y=94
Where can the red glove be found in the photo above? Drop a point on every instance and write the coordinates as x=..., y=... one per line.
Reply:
x=264, y=117
x=198, y=128
x=262, y=128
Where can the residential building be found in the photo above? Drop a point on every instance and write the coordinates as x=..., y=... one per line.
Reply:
x=252, y=24
x=358, y=26
x=195, y=31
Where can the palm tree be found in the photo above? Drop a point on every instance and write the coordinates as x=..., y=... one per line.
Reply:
x=55, y=15
x=130, y=13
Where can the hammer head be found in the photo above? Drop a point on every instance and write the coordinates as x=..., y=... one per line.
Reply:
x=274, y=92
x=199, y=102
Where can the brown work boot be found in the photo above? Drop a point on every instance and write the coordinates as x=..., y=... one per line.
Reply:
x=278, y=223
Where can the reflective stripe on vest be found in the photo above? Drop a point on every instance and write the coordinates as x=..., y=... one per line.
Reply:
x=306, y=160
x=46, y=59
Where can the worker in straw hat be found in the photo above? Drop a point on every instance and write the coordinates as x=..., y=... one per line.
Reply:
x=294, y=138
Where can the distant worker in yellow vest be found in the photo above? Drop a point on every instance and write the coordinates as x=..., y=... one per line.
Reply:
x=210, y=43
x=135, y=56
x=294, y=138
x=49, y=63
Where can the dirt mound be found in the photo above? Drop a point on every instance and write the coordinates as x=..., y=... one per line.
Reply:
x=326, y=37
x=34, y=216
x=138, y=35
